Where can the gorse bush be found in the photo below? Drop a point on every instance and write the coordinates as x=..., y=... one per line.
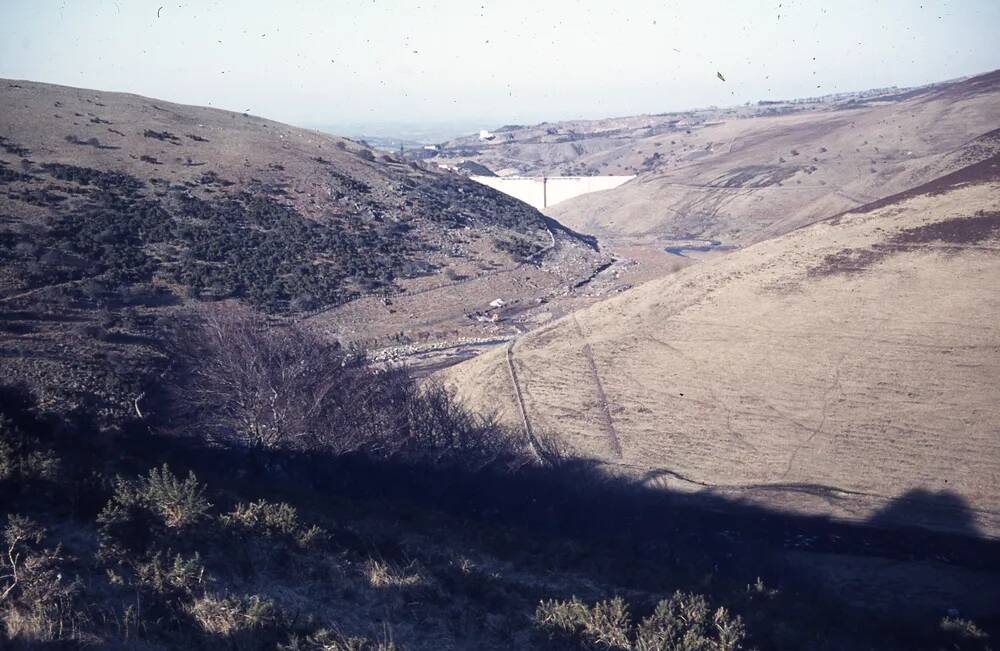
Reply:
x=145, y=562
x=165, y=575
x=178, y=502
x=139, y=511
x=684, y=622
x=381, y=574
x=518, y=247
x=960, y=634
x=605, y=625
x=247, y=244
x=181, y=503
x=266, y=519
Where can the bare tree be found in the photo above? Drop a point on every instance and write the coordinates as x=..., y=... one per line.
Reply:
x=240, y=378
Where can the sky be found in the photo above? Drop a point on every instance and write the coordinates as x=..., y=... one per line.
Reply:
x=469, y=62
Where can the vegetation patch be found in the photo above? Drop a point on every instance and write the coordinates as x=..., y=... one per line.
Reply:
x=684, y=622
x=163, y=136
x=950, y=234
x=518, y=247
x=246, y=246
x=13, y=148
x=90, y=142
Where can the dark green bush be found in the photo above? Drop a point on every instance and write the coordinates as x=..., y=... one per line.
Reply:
x=140, y=511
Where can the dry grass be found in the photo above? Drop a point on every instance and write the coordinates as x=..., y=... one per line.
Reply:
x=228, y=615
x=381, y=574
x=747, y=374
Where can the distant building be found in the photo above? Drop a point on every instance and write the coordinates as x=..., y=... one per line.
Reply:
x=486, y=135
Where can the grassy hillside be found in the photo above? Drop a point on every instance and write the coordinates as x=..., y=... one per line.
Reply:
x=747, y=173
x=742, y=181
x=830, y=370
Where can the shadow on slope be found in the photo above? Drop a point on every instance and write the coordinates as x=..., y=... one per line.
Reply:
x=924, y=508
x=564, y=522
x=578, y=499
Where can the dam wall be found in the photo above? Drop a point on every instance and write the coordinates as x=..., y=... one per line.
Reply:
x=544, y=191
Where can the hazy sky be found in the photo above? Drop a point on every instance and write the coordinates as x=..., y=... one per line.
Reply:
x=342, y=62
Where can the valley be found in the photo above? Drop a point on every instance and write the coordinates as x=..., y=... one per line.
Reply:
x=744, y=174
x=570, y=326
x=776, y=355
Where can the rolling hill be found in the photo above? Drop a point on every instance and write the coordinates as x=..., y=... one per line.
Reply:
x=834, y=370
x=116, y=210
x=744, y=174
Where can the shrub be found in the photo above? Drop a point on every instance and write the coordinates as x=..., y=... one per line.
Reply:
x=179, y=503
x=139, y=510
x=606, y=625
x=561, y=618
x=518, y=247
x=441, y=430
x=665, y=628
x=238, y=379
x=243, y=381
x=684, y=622
x=268, y=519
x=759, y=590
x=37, y=600
x=164, y=576
x=165, y=136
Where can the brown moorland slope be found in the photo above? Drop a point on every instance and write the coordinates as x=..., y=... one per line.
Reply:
x=615, y=145
x=746, y=173
x=744, y=180
x=831, y=370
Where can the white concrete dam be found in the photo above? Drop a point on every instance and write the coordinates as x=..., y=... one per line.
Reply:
x=544, y=191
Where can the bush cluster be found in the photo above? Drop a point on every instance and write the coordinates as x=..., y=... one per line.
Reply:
x=683, y=622
x=247, y=246
x=519, y=247
x=268, y=520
